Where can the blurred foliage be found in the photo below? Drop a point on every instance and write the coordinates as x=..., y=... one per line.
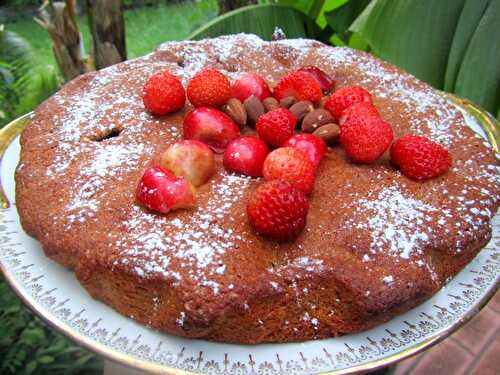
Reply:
x=22, y=84
x=27, y=346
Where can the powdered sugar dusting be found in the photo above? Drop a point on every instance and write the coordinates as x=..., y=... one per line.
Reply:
x=199, y=244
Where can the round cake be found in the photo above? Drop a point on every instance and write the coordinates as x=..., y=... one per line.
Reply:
x=376, y=243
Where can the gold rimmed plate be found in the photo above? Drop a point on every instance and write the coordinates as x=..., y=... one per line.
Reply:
x=53, y=293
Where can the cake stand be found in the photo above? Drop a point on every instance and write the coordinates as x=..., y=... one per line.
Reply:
x=53, y=293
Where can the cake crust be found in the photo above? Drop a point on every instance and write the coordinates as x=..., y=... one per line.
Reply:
x=375, y=245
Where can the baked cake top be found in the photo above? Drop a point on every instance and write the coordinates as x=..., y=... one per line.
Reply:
x=376, y=231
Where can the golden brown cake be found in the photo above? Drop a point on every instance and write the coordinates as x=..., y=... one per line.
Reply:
x=375, y=245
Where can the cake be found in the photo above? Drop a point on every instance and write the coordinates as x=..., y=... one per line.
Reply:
x=376, y=243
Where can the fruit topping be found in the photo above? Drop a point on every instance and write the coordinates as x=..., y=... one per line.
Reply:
x=249, y=84
x=361, y=109
x=325, y=81
x=312, y=146
x=278, y=210
x=160, y=190
x=300, y=85
x=420, y=158
x=246, y=156
x=163, y=93
x=190, y=158
x=276, y=126
x=292, y=165
x=210, y=126
x=365, y=139
x=345, y=97
x=209, y=87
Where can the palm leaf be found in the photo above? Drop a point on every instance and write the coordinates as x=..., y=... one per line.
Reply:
x=260, y=20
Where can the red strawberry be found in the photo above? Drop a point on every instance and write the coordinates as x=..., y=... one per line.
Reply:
x=160, y=190
x=325, y=81
x=208, y=87
x=345, y=97
x=292, y=165
x=314, y=147
x=365, y=139
x=249, y=84
x=300, y=85
x=163, y=93
x=211, y=126
x=361, y=109
x=246, y=155
x=420, y=158
x=278, y=210
x=276, y=126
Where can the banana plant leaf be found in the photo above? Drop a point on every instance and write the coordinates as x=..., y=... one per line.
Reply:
x=260, y=20
x=342, y=17
x=479, y=75
x=451, y=44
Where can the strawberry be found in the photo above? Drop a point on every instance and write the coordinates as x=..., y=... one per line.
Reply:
x=314, y=147
x=163, y=93
x=160, y=190
x=277, y=210
x=365, y=139
x=210, y=126
x=345, y=97
x=246, y=155
x=325, y=81
x=300, y=85
x=419, y=158
x=361, y=109
x=276, y=126
x=292, y=165
x=249, y=84
x=208, y=87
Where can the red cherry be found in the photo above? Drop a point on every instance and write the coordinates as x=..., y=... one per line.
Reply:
x=314, y=147
x=249, y=84
x=210, y=126
x=326, y=82
x=160, y=190
x=246, y=155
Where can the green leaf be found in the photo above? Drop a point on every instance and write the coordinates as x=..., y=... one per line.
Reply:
x=479, y=75
x=30, y=367
x=45, y=359
x=415, y=35
x=341, y=18
x=469, y=19
x=260, y=20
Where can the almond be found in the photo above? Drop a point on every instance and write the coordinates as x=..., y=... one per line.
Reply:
x=313, y=120
x=302, y=108
x=287, y=102
x=235, y=109
x=330, y=133
x=254, y=108
x=270, y=103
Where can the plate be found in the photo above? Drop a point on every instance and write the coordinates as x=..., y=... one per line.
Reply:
x=54, y=294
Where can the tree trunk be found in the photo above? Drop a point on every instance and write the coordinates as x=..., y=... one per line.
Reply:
x=59, y=19
x=228, y=5
x=108, y=32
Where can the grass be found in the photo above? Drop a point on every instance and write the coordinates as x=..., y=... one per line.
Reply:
x=27, y=346
x=145, y=28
